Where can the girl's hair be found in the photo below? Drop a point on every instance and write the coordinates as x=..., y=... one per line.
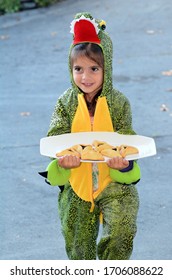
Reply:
x=90, y=50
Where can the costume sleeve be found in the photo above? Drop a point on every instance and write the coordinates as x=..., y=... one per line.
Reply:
x=124, y=124
x=128, y=177
x=121, y=114
x=60, y=121
x=56, y=175
x=60, y=124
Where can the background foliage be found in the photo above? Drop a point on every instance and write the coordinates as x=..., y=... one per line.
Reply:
x=10, y=6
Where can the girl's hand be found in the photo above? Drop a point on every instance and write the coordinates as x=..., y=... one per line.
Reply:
x=117, y=163
x=69, y=161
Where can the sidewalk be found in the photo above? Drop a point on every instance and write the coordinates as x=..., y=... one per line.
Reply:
x=33, y=49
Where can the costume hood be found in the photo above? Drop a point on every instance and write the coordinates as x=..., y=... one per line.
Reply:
x=86, y=29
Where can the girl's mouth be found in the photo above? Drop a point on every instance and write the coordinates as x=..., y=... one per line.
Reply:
x=87, y=84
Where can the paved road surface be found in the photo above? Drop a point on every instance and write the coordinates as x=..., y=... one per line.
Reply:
x=33, y=73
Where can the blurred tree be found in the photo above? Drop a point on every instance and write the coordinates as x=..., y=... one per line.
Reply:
x=10, y=6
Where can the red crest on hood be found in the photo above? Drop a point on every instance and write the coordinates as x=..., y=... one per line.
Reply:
x=84, y=31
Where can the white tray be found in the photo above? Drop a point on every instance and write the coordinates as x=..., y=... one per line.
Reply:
x=49, y=146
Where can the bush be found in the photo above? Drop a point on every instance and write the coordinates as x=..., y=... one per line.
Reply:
x=10, y=6
x=43, y=3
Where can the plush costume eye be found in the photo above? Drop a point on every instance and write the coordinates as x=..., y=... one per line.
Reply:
x=102, y=25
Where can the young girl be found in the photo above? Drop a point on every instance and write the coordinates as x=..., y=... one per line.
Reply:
x=89, y=190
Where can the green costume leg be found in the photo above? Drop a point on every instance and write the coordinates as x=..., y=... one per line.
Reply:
x=119, y=204
x=79, y=226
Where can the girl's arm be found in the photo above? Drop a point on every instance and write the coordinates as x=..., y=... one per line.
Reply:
x=60, y=122
x=55, y=174
x=124, y=172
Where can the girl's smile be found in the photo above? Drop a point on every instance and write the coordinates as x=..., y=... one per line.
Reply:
x=88, y=76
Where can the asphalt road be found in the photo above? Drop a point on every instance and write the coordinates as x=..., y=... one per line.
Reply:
x=34, y=72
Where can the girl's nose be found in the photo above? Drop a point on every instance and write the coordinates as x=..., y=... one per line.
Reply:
x=85, y=75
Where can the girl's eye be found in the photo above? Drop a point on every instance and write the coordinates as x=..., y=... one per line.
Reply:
x=94, y=68
x=77, y=68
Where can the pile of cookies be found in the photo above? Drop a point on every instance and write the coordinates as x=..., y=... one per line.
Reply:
x=98, y=150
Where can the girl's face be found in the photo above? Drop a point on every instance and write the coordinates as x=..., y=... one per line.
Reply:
x=87, y=75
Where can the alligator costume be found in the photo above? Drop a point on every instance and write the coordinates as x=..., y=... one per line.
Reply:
x=116, y=196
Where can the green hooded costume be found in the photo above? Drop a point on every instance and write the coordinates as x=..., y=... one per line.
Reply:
x=116, y=197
